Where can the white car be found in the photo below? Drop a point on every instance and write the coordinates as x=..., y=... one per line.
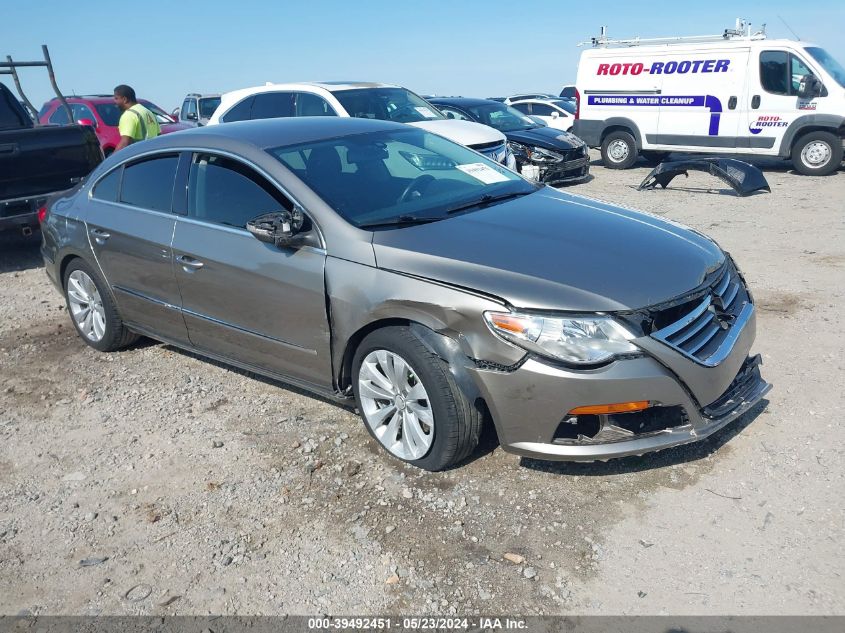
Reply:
x=363, y=100
x=555, y=113
x=522, y=96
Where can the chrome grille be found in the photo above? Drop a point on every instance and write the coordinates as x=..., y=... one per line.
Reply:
x=709, y=330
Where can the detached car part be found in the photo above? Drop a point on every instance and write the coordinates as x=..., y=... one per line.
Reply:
x=742, y=177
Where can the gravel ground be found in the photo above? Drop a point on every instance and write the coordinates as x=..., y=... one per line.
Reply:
x=152, y=481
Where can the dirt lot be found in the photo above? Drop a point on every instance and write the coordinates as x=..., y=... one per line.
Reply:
x=152, y=481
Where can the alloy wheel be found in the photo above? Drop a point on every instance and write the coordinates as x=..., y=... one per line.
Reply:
x=86, y=306
x=395, y=405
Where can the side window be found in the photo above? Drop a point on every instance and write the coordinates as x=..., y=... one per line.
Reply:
x=240, y=112
x=798, y=69
x=453, y=114
x=82, y=112
x=272, y=105
x=106, y=188
x=541, y=109
x=226, y=191
x=308, y=104
x=774, y=73
x=59, y=117
x=522, y=107
x=149, y=184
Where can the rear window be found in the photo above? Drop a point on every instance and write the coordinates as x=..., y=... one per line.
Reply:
x=272, y=105
x=149, y=184
x=240, y=112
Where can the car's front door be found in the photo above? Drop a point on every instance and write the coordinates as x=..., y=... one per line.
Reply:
x=243, y=299
x=130, y=227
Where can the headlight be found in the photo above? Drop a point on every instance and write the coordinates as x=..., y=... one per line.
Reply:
x=535, y=154
x=577, y=340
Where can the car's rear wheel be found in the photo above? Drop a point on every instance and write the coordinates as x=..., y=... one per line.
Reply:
x=92, y=310
x=410, y=402
x=817, y=153
x=619, y=150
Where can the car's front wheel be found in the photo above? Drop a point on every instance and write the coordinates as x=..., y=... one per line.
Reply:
x=410, y=402
x=817, y=153
x=619, y=150
x=92, y=310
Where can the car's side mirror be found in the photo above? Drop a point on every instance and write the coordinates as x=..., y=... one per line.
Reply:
x=279, y=228
x=88, y=122
x=809, y=87
x=191, y=116
x=555, y=114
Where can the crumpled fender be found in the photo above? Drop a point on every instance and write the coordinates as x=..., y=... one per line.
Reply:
x=743, y=178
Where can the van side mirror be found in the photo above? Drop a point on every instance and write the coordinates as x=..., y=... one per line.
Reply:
x=809, y=87
x=279, y=228
x=191, y=116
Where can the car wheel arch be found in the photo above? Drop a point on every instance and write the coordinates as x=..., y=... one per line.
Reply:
x=621, y=124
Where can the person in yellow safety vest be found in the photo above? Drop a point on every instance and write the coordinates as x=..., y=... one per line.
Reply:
x=136, y=123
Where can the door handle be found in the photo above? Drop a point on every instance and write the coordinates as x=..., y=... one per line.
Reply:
x=732, y=103
x=755, y=101
x=9, y=149
x=100, y=236
x=189, y=264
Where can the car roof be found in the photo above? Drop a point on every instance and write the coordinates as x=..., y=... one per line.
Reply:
x=463, y=101
x=94, y=99
x=267, y=133
x=328, y=86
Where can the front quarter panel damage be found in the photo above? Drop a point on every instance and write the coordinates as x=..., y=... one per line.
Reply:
x=360, y=297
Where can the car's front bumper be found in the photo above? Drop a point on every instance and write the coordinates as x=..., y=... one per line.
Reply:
x=567, y=172
x=530, y=404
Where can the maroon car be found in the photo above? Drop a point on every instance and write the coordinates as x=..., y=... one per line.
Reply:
x=102, y=114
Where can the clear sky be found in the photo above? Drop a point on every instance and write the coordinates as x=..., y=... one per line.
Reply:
x=469, y=47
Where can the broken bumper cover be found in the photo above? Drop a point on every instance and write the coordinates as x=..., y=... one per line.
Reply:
x=530, y=404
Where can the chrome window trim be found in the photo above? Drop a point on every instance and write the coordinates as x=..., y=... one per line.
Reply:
x=195, y=150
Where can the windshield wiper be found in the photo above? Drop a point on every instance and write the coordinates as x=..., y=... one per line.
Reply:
x=402, y=220
x=487, y=199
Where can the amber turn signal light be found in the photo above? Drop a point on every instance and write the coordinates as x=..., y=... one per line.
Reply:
x=607, y=409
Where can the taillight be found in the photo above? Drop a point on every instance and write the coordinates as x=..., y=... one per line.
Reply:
x=577, y=104
x=42, y=214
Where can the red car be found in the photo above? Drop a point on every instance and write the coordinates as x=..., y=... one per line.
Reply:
x=100, y=112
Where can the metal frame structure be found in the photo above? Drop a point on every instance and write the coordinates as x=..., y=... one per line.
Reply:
x=9, y=67
x=741, y=31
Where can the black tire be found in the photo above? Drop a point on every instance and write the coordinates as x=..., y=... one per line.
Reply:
x=654, y=158
x=828, y=153
x=457, y=421
x=619, y=150
x=116, y=335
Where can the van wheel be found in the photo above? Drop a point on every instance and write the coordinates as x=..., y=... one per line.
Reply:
x=410, y=402
x=619, y=150
x=654, y=158
x=817, y=153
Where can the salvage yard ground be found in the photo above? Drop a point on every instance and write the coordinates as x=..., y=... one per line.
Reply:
x=154, y=482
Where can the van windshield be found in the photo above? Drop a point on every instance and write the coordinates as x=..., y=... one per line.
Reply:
x=831, y=66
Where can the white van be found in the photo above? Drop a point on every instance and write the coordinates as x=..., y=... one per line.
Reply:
x=736, y=94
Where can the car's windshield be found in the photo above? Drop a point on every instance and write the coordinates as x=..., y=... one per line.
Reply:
x=207, y=106
x=503, y=118
x=387, y=104
x=110, y=113
x=564, y=105
x=827, y=61
x=393, y=175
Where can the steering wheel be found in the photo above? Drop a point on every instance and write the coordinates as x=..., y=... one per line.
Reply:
x=417, y=185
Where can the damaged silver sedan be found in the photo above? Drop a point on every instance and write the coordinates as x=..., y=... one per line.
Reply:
x=373, y=261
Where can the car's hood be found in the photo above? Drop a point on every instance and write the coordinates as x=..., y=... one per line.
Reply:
x=555, y=251
x=547, y=137
x=464, y=132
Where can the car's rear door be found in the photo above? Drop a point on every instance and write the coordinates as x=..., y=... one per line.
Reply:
x=243, y=299
x=130, y=227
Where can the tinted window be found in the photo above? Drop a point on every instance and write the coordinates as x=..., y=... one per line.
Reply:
x=387, y=104
x=208, y=106
x=308, y=104
x=541, y=109
x=522, y=107
x=59, y=117
x=106, y=188
x=272, y=105
x=150, y=184
x=240, y=112
x=798, y=70
x=774, y=75
x=228, y=192
x=109, y=113
x=82, y=112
